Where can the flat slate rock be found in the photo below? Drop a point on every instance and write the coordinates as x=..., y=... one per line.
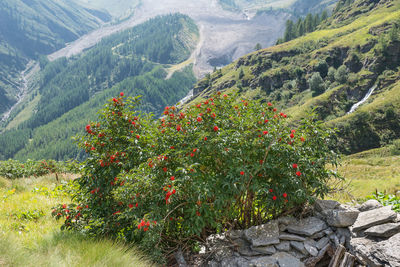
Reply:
x=299, y=246
x=247, y=251
x=389, y=250
x=291, y=237
x=263, y=235
x=284, y=245
x=322, y=242
x=268, y=250
x=307, y=226
x=374, y=217
x=286, y=260
x=263, y=262
x=342, y=218
x=370, y=205
x=384, y=230
x=312, y=250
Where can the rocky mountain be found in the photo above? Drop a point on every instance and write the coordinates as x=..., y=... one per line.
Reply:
x=30, y=28
x=226, y=33
x=347, y=71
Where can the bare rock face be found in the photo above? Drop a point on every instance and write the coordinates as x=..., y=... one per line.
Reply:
x=374, y=217
x=307, y=226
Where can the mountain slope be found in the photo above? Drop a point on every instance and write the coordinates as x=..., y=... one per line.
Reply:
x=226, y=34
x=71, y=91
x=330, y=70
x=29, y=28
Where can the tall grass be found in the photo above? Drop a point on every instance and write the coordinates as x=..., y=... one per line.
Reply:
x=368, y=172
x=29, y=236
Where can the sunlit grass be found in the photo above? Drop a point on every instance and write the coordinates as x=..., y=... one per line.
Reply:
x=365, y=175
x=37, y=241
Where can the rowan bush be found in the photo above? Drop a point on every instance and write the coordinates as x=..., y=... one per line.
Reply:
x=222, y=163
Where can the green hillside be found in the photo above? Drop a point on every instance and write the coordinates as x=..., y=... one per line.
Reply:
x=329, y=70
x=30, y=28
x=72, y=90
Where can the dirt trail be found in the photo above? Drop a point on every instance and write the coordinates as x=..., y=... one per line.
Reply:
x=31, y=68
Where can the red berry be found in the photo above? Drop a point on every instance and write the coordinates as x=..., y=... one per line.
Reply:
x=294, y=166
x=121, y=94
x=284, y=195
x=216, y=128
x=242, y=173
x=298, y=173
x=274, y=198
x=172, y=178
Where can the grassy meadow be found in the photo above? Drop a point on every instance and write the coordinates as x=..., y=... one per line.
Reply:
x=368, y=172
x=29, y=236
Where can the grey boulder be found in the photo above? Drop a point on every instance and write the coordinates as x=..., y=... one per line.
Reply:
x=342, y=218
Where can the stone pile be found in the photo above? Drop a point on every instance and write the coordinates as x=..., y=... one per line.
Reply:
x=376, y=236
x=370, y=232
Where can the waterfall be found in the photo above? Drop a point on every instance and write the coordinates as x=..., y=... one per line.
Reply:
x=369, y=93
